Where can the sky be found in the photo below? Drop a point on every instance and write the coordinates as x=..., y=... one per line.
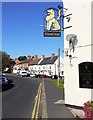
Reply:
x=21, y=33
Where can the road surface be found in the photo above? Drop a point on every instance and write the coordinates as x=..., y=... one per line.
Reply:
x=18, y=101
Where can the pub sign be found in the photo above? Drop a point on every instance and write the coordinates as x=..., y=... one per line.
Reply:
x=53, y=22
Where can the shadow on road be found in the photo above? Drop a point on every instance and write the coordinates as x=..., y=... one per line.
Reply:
x=4, y=88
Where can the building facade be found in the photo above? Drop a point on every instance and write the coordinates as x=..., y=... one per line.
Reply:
x=48, y=66
x=81, y=26
x=45, y=65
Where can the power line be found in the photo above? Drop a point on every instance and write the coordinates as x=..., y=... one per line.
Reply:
x=79, y=46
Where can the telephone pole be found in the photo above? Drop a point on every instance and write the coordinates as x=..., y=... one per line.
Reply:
x=58, y=65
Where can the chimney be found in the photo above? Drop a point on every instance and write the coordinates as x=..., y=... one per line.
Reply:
x=43, y=56
x=36, y=56
x=52, y=55
x=17, y=61
x=28, y=57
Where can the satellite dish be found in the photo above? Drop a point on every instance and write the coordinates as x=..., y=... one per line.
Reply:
x=72, y=39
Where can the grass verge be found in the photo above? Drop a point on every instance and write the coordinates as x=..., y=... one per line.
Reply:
x=61, y=83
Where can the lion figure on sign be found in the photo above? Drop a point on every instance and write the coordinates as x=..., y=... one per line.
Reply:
x=52, y=22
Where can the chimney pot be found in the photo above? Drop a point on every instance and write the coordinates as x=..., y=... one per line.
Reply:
x=36, y=56
x=52, y=55
x=43, y=56
x=28, y=57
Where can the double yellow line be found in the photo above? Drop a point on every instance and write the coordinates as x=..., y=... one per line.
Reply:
x=35, y=112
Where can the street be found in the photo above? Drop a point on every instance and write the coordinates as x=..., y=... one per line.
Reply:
x=18, y=101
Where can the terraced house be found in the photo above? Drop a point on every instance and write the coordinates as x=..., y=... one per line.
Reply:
x=45, y=65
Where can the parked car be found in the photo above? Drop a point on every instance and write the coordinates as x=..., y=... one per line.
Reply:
x=23, y=73
x=42, y=76
x=32, y=75
x=55, y=76
x=28, y=73
x=4, y=81
x=37, y=75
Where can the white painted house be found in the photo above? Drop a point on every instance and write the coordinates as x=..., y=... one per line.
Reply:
x=81, y=21
x=48, y=66
x=15, y=69
x=34, y=67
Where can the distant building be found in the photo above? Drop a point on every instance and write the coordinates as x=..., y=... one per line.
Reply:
x=44, y=65
x=47, y=66
x=34, y=64
x=25, y=63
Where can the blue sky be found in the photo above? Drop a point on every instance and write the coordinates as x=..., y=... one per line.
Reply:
x=21, y=34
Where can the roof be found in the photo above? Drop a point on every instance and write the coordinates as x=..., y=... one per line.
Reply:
x=34, y=61
x=25, y=61
x=48, y=60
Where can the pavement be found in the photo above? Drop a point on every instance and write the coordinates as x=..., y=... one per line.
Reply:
x=53, y=104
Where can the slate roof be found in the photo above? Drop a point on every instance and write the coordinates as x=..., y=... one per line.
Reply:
x=48, y=60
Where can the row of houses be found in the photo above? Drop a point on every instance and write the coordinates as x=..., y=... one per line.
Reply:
x=45, y=65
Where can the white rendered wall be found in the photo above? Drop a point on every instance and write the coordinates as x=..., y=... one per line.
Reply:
x=81, y=26
x=92, y=40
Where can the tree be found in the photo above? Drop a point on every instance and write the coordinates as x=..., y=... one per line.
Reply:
x=22, y=58
x=5, y=61
x=33, y=57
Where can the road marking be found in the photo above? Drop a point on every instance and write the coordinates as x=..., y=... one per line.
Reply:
x=37, y=103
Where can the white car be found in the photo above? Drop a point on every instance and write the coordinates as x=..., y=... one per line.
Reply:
x=23, y=73
x=32, y=75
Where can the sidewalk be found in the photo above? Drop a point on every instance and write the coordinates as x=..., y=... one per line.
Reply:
x=55, y=103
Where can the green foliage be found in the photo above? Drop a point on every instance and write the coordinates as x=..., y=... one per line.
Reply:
x=32, y=56
x=5, y=60
x=22, y=58
x=61, y=83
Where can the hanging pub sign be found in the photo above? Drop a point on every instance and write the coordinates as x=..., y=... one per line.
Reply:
x=53, y=22
x=86, y=75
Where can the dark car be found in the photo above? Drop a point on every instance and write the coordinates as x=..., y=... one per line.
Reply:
x=42, y=76
x=37, y=75
x=5, y=82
